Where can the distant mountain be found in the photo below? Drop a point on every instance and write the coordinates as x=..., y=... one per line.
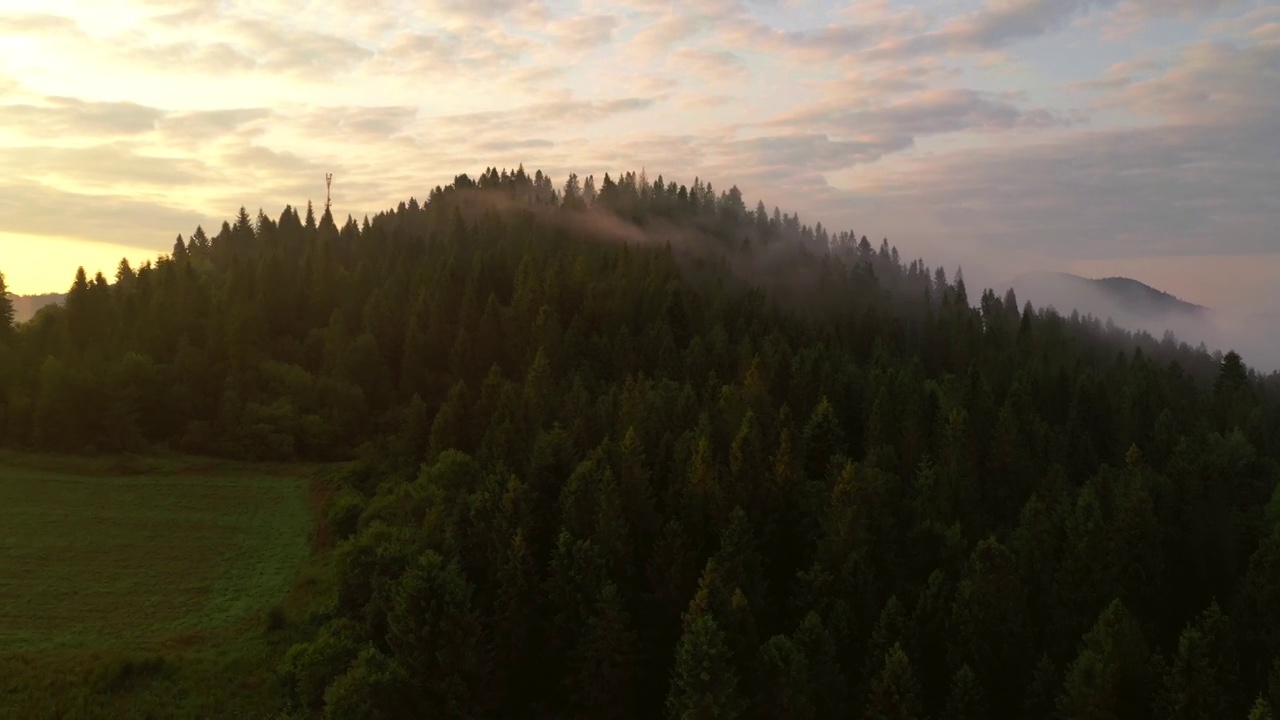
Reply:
x=25, y=307
x=1119, y=298
x=1136, y=306
x=1132, y=305
x=1141, y=296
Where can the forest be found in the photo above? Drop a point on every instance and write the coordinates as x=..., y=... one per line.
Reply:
x=639, y=450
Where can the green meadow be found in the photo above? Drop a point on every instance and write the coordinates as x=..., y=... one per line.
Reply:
x=152, y=588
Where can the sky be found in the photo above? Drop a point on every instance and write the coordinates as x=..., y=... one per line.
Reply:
x=1103, y=137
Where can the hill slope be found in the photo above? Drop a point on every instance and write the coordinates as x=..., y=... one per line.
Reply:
x=642, y=451
x=25, y=307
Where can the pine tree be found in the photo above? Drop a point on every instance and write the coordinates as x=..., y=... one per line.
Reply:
x=1109, y=678
x=830, y=694
x=1202, y=683
x=785, y=690
x=449, y=429
x=6, y=309
x=604, y=684
x=637, y=492
x=374, y=687
x=966, y=701
x=823, y=439
x=440, y=639
x=895, y=693
x=703, y=684
x=1043, y=690
x=515, y=622
x=989, y=625
x=890, y=630
x=80, y=311
x=124, y=274
x=1273, y=684
x=720, y=594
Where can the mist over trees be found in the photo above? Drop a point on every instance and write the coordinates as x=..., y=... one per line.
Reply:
x=638, y=450
x=25, y=307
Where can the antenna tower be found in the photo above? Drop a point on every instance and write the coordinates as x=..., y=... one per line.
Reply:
x=328, y=187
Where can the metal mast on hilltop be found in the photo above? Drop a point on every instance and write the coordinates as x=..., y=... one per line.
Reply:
x=328, y=187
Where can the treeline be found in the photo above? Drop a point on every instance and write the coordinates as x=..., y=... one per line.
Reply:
x=637, y=450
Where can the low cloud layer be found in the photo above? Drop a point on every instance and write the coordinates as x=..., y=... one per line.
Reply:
x=970, y=133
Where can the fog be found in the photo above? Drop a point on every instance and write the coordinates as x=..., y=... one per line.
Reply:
x=1256, y=337
x=1251, y=328
x=25, y=307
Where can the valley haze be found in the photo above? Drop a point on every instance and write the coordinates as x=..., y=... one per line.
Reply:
x=1136, y=306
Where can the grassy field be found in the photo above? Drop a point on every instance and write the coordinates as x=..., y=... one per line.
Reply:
x=137, y=588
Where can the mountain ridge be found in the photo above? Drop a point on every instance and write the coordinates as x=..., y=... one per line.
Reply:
x=1067, y=291
x=25, y=307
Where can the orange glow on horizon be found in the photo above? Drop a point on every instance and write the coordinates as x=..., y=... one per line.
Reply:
x=34, y=265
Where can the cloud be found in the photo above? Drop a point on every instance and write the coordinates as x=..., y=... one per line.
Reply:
x=871, y=132
x=542, y=115
x=1186, y=8
x=815, y=151
x=1000, y=23
x=258, y=164
x=797, y=46
x=869, y=85
x=485, y=12
x=662, y=34
x=1118, y=75
x=1104, y=193
x=9, y=87
x=654, y=85
x=583, y=33
x=171, y=14
x=216, y=39
x=105, y=218
x=448, y=55
x=701, y=101
x=368, y=124
x=507, y=146
x=1129, y=17
x=1248, y=23
x=1211, y=81
x=202, y=126
x=80, y=122
x=844, y=42
x=215, y=57
x=995, y=26
x=712, y=66
x=703, y=8
x=44, y=24
x=992, y=26
x=281, y=48
x=70, y=116
x=106, y=166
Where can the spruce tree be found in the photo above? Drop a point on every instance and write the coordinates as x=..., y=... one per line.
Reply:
x=6, y=309
x=703, y=683
x=895, y=692
x=1109, y=678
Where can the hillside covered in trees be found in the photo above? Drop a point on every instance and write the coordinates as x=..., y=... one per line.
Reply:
x=641, y=450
